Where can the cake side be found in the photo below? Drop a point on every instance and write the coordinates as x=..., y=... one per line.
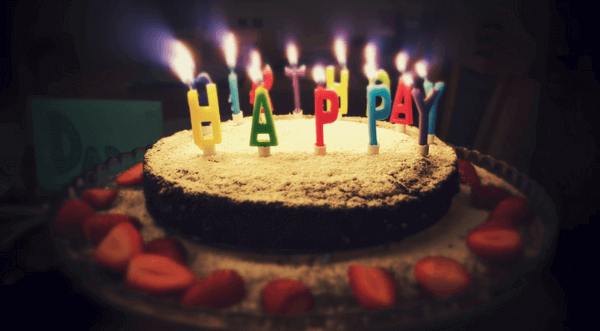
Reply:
x=294, y=201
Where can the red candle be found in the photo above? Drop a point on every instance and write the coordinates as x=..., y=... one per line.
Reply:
x=322, y=116
x=403, y=102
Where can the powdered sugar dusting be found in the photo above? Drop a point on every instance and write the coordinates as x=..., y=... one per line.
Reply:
x=293, y=175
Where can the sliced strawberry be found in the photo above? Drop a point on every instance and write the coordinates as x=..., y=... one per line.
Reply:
x=442, y=276
x=487, y=197
x=121, y=244
x=374, y=288
x=514, y=208
x=222, y=288
x=71, y=215
x=158, y=275
x=99, y=197
x=495, y=243
x=286, y=296
x=99, y=225
x=468, y=174
x=133, y=176
x=167, y=247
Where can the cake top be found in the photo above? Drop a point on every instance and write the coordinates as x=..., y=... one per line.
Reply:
x=346, y=177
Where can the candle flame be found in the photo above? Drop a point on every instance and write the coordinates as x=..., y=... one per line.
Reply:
x=230, y=47
x=255, y=59
x=421, y=69
x=318, y=73
x=370, y=53
x=182, y=62
x=255, y=74
x=370, y=70
x=340, y=51
x=407, y=79
x=401, y=61
x=292, y=54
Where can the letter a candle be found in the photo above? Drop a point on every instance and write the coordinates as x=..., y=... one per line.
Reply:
x=403, y=98
x=261, y=101
x=322, y=117
x=342, y=87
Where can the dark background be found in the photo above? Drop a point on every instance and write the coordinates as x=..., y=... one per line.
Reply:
x=90, y=49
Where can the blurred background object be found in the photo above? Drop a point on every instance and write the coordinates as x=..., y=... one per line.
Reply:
x=521, y=77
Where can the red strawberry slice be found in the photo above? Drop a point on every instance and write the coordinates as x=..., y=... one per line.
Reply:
x=158, y=275
x=442, y=276
x=133, y=176
x=495, y=243
x=222, y=288
x=99, y=225
x=167, y=247
x=468, y=174
x=71, y=215
x=121, y=244
x=99, y=197
x=514, y=208
x=373, y=287
x=487, y=197
x=286, y=296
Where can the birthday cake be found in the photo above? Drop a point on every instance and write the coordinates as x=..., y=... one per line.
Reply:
x=342, y=241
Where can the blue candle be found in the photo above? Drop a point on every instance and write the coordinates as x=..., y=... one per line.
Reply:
x=432, y=113
x=375, y=113
x=233, y=93
x=424, y=107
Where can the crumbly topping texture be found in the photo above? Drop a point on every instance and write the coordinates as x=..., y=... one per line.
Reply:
x=293, y=175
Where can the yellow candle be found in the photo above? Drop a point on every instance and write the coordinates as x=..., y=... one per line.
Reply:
x=208, y=113
x=340, y=88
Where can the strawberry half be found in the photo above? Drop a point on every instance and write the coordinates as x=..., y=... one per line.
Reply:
x=99, y=197
x=487, y=197
x=468, y=174
x=167, y=247
x=442, y=276
x=495, y=243
x=286, y=296
x=99, y=225
x=133, y=176
x=71, y=215
x=222, y=288
x=373, y=287
x=158, y=275
x=514, y=208
x=121, y=244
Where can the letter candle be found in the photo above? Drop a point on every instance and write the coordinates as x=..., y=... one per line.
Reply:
x=376, y=113
x=208, y=113
x=421, y=69
x=262, y=101
x=342, y=87
x=323, y=117
x=402, y=100
x=230, y=49
x=294, y=72
x=424, y=107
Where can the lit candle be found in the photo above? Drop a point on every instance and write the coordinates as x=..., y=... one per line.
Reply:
x=402, y=100
x=375, y=113
x=342, y=87
x=424, y=108
x=262, y=102
x=323, y=117
x=294, y=72
x=200, y=114
x=230, y=49
x=421, y=69
x=182, y=63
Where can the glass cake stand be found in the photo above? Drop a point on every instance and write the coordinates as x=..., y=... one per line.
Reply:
x=107, y=289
